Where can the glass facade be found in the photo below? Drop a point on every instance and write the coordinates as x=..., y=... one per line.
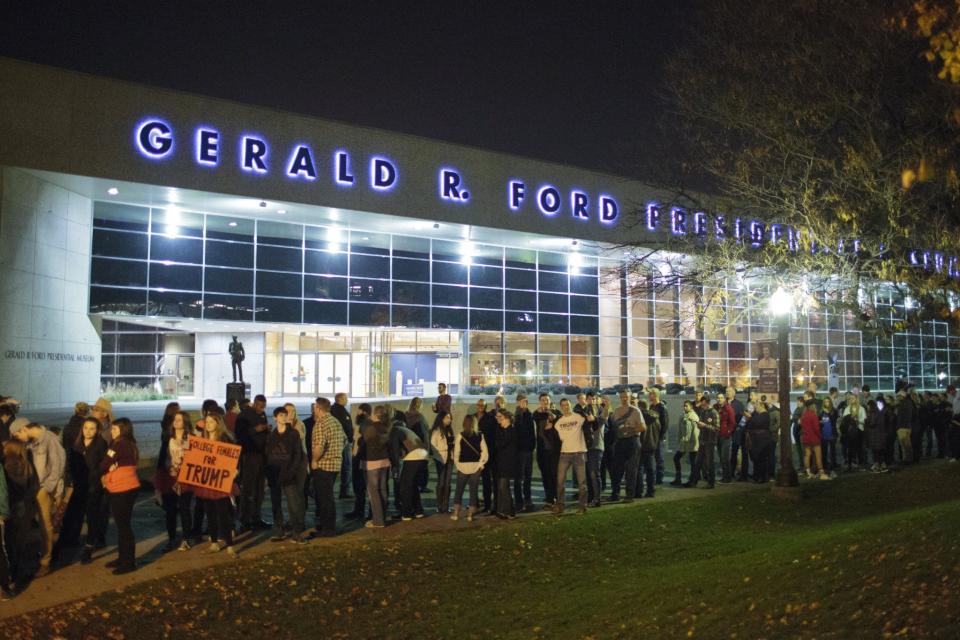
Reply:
x=140, y=356
x=509, y=315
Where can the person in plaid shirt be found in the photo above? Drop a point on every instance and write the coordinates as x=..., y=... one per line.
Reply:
x=327, y=454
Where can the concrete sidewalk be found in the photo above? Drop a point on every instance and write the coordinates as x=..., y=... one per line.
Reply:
x=73, y=581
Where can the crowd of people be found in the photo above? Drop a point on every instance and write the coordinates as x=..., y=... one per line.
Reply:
x=87, y=472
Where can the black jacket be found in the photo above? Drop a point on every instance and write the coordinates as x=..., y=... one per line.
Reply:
x=85, y=464
x=526, y=431
x=247, y=436
x=340, y=413
x=506, y=446
x=488, y=426
x=547, y=439
x=285, y=454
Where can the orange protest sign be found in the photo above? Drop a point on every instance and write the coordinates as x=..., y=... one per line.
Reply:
x=209, y=464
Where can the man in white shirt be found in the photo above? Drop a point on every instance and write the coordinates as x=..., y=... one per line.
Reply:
x=573, y=452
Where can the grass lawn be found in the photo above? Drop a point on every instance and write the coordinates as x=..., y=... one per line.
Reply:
x=870, y=556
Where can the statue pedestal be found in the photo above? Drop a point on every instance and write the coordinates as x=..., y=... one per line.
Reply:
x=238, y=391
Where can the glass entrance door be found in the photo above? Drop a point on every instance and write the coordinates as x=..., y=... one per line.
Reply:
x=299, y=374
x=334, y=373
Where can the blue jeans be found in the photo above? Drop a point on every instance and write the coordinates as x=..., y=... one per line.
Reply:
x=659, y=458
x=726, y=465
x=346, y=471
x=593, y=475
x=647, y=471
x=377, y=492
x=579, y=463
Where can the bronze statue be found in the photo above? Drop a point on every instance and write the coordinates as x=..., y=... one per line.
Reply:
x=236, y=357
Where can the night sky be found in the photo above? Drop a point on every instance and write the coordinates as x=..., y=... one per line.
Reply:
x=568, y=82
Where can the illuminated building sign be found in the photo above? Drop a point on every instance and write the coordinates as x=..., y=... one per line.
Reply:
x=155, y=139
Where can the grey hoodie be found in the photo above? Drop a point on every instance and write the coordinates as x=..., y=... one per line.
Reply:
x=49, y=461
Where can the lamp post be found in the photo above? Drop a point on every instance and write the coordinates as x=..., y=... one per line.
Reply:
x=781, y=308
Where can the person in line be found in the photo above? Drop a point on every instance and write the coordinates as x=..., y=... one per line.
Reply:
x=408, y=456
x=703, y=466
x=876, y=432
x=8, y=414
x=828, y=436
x=76, y=505
x=341, y=412
x=444, y=400
x=294, y=422
x=470, y=454
x=506, y=445
x=89, y=450
x=810, y=437
x=286, y=464
x=177, y=499
x=728, y=424
x=548, y=448
x=596, y=444
x=526, y=445
x=441, y=447
x=49, y=461
x=417, y=423
x=102, y=410
x=358, y=453
x=738, y=441
x=687, y=442
x=573, y=453
x=326, y=461
x=22, y=488
x=6, y=585
x=906, y=417
x=851, y=431
x=217, y=504
x=376, y=435
x=586, y=408
x=232, y=411
x=659, y=409
x=649, y=442
x=487, y=424
x=758, y=439
x=252, y=430
x=627, y=423
x=119, y=467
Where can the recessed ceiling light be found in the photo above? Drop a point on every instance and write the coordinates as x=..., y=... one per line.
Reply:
x=281, y=211
x=113, y=191
x=231, y=224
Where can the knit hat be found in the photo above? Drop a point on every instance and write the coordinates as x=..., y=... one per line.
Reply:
x=18, y=424
x=103, y=403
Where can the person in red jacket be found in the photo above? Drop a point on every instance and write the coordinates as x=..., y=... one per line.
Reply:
x=728, y=422
x=810, y=438
x=119, y=467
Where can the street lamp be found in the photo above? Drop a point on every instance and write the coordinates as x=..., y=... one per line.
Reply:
x=781, y=308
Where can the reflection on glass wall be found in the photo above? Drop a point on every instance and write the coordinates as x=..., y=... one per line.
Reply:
x=135, y=356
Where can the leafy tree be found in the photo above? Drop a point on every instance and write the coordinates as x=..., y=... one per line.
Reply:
x=823, y=117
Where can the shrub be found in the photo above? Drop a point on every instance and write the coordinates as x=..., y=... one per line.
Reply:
x=132, y=393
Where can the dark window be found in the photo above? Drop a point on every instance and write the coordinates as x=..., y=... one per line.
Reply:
x=418, y=270
x=326, y=262
x=179, y=249
x=521, y=321
x=443, y=318
x=273, y=283
x=585, y=325
x=553, y=302
x=584, y=284
x=584, y=305
x=404, y=316
x=120, y=216
x=227, y=307
x=324, y=312
x=449, y=296
x=449, y=272
x=517, y=279
x=277, y=310
x=486, y=320
x=326, y=287
x=279, y=258
x=123, y=273
x=369, y=315
x=175, y=276
x=370, y=290
x=108, y=365
x=520, y=300
x=486, y=298
x=369, y=266
x=137, y=342
x=108, y=342
x=486, y=276
x=176, y=304
x=552, y=323
x=411, y=293
x=136, y=365
x=229, y=254
x=118, y=301
x=117, y=244
x=228, y=280
x=553, y=281
x=109, y=325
